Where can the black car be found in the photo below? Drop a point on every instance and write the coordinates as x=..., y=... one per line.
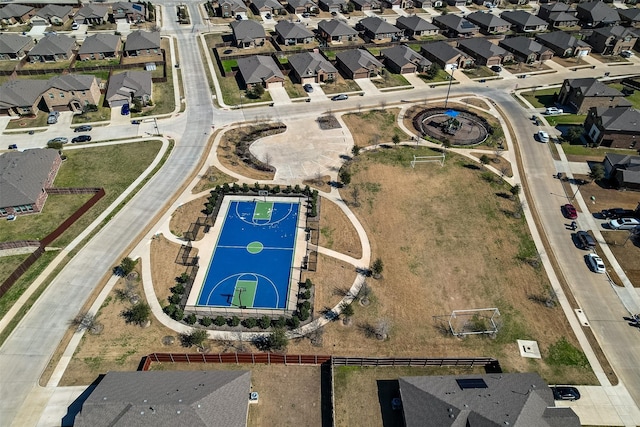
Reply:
x=13, y=146
x=616, y=213
x=496, y=68
x=585, y=240
x=565, y=393
x=81, y=138
x=83, y=128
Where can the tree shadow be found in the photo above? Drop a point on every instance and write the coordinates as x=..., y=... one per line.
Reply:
x=472, y=166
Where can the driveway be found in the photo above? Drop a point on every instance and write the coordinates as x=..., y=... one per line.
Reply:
x=367, y=86
x=279, y=96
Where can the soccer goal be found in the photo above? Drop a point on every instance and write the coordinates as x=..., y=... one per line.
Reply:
x=474, y=321
x=427, y=159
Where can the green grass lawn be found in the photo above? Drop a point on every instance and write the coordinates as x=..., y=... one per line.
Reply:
x=231, y=93
x=8, y=65
x=442, y=76
x=294, y=90
x=9, y=264
x=47, y=65
x=581, y=150
x=229, y=65
x=566, y=119
x=478, y=72
x=390, y=80
x=541, y=98
x=633, y=99
x=38, y=120
x=79, y=65
x=103, y=113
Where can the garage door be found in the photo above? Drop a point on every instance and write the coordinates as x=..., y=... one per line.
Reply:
x=274, y=84
x=118, y=103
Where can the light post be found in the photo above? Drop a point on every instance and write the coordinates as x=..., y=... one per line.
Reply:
x=454, y=67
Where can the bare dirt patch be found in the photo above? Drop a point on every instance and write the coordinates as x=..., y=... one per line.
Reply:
x=337, y=232
x=211, y=178
x=187, y=214
x=374, y=127
x=164, y=268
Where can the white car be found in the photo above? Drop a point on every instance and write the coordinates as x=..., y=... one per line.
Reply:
x=626, y=54
x=596, y=264
x=624, y=224
x=543, y=136
x=553, y=110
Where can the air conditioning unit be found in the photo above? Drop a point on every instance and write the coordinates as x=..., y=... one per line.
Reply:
x=253, y=397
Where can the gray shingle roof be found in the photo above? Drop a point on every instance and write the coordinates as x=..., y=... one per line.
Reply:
x=562, y=17
x=258, y=68
x=415, y=23
x=442, y=51
x=53, y=44
x=23, y=174
x=356, y=59
x=560, y=39
x=130, y=84
x=292, y=30
x=378, y=26
x=556, y=7
x=247, y=30
x=483, y=47
x=336, y=28
x=485, y=19
x=597, y=11
x=100, y=43
x=402, y=55
x=330, y=3
x=617, y=31
x=21, y=93
x=92, y=11
x=455, y=22
x=236, y=5
x=13, y=10
x=273, y=4
x=71, y=82
x=523, y=45
x=622, y=119
x=12, y=43
x=522, y=18
x=308, y=64
x=509, y=399
x=141, y=40
x=54, y=11
x=165, y=398
x=301, y=3
x=631, y=15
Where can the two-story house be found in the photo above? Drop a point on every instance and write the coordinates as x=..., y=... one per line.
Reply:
x=582, y=94
x=612, y=40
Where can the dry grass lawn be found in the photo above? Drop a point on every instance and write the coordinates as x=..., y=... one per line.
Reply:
x=338, y=233
x=164, y=268
x=627, y=252
x=185, y=215
x=211, y=178
x=374, y=127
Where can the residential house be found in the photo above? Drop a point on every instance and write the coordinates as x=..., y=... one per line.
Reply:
x=21, y=97
x=623, y=171
x=482, y=399
x=143, y=43
x=429, y=3
x=248, y=33
x=128, y=87
x=398, y=4
x=526, y=49
x=564, y=45
x=312, y=67
x=260, y=70
x=52, y=14
x=615, y=127
x=597, y=14
x=92, y=14
x=267, y=6
x=301, y=6
x=630, y=17
x=524, y=22
x=415, y=26
x=612, y=40
x=489, y=23
x=376, y=29
x=100, y=46
x=14, y=13
x=292, y=33
x=169, y=398
x=231, y=9
x=335, y=31
x=447, y=56
x=128, y=12
x=455, y=26
x=582, y=94
x=484, y=52
x=365, y=5
x=402, y=59
x=52, y=48
x=558, y=14
x=358, y=64
x=457, y=3
x=24, y=179
x=71, y=92
x=14, y=46
x=333, y=6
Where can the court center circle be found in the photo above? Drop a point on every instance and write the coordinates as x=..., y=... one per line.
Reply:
x=255, y=247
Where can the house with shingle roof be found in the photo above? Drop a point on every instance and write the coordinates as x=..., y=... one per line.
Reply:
x=14, y=13
x=100, y=46
x=398, y=4
x=378, y=29
x=563, y=44
x=483, y=400
x=168, y=398
x=489, y=23
x=127, y=87
x=456, y=26
x=402, y=59
x=630, y=17
x=558, y=14
x=231, y=8
x=52, y=14
x=524, y=22
x=415, y=26
x=526, y=50
x=92, y=14
x=52, y=48
x=623, y=170
x=312, y=67
x=301, y=6
x=21, y=97
x=335, y=31
x=247, y=33
x=266, y=6
x=612, y=40
x=366, y=4
x=447, y=56
x=615, y=127
x=24, y=178
x=71, y=92
x=333, y=5
x=260, y=70
x=582, y=94
x=485, y=52
x=358, y=64
x=143, y=43
x=14, y=46
x=128, y=11
x=597, y=14
x=292, y=33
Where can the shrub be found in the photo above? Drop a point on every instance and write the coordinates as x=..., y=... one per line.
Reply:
x=308, y=284
x=245, y=188
x=175, y=298
x=294, y=322
x=305, y=305
x=280, y=322
x=178, y=289
x=139, y=313
x=196, y=337
x=234, y=321
x=306, y=294
x=250, y=323
x=303, y=313
x=264, y=322
x=277, y=340
x=220, y=321
x=191, y=319
x=206, y=321
x=169, y=310
x=178, y=314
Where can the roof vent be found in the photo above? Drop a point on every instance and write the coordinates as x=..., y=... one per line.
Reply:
x=141, y=412
x=145, y=400
x=178, y=412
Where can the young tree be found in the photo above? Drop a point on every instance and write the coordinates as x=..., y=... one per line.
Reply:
x=355, y=150
x=345, y=176
x=515, y=190
x=126, y=266
x=138, y=313
x=196, y=337
x=484, y=159
x=277, y=340
x=347, y=313
x=377, y=268
x=355, y=195
x=395, y=139
x=597, y=173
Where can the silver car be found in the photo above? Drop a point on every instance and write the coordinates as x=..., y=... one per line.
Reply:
x=624, y=224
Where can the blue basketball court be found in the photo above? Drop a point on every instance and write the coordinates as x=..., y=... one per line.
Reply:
x=252, y=261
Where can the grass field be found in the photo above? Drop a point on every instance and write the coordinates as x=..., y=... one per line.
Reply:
x=566, y=119
x=340, y=85
x=634, y=99
x=38, y=120
x=374, y=126
x=103, y=113
x=441, y=76
x=389, y=79
x=541, y=98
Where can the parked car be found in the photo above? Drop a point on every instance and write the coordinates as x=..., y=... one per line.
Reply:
x=306, y=15
x=340, y=97
x=569, y=211
x=60, y=139
x=595, y=263
x=624, y=223
x=565, y=393
x=13, y=146
x=83, y=128
x=124, y=110
x=543, y=136
x=553, y=110
x=585, y=240
x=615, y=213
x=136, y=122
x=75, y=26
x=308, y=88
x=81, y=138
x=626, y=54
x=496, y=68
x=53, y=117
x=267, y=15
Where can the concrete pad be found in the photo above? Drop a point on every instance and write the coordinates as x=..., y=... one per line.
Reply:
x=415, y=80
x=279, y=96
x=529, y=349
x=367, y=86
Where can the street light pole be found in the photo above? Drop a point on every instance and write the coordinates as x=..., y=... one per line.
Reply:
x=453, y=68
